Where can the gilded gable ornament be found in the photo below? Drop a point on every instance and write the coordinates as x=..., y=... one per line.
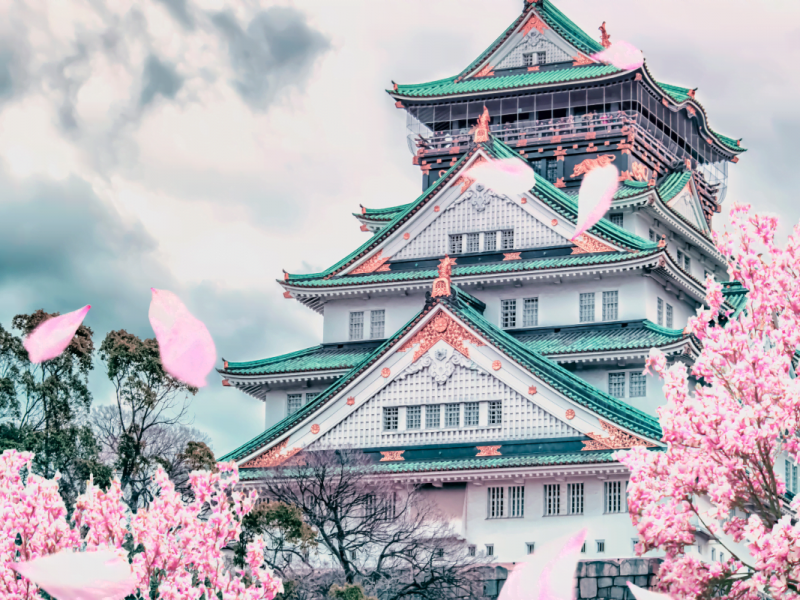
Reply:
x=480, y=197
x=605, y=38
x=441, y=327
x=481, y=130
x=615, y=439
x=272, y=457
x=441, y=285
x=440, y=365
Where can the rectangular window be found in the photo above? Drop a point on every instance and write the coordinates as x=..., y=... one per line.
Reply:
x=669, y=316
x=530, y=547
x=471, y=412
x=680, y=258
x=310, y=396
x=293, y=403
x=489, y=549
x=616, y=385
x=634, y=541
x=456, y=244
x=433, y=416
x=552, y=499
x=530, y=59
x=601, y=546
x=508, y=314
x=391, y=418
x=687, y=263
x=496, y=412
x=610, y=306
x=490, y=241
x=583, y=548
x=530, y=312
x=440, y=553
x=451, y=415
x=516, y=498
x=653, y=236
x=614, y=500
x=413, y=417
x=575, y=498
x=356, y=325
x=706, y=274
x=791, y=477
x=507, y=239
x=587, y=307
x=638, y=385
x=377, y=324
x=616, y=219
x=541, y=58
x=496, y=504
x=552, y=170
x=473, y=242
x=660, y=312
x=472, y=550
x=713, y=554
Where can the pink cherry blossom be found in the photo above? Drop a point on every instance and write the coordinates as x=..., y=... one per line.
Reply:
x=53, y=336
x=622, y=55
x=641, y=594
x=506, y=176
x=187, y=349
x=594, y=198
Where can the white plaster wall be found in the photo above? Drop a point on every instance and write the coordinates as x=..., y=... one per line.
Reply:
x=682, y=309
x=598, y=377
x=399, y=310
x=275, y=405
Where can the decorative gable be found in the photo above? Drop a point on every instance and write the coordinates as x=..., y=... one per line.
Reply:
x=687, y=204
x=534, y=42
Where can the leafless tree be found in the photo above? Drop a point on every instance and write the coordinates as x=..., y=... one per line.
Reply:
x=389, y=538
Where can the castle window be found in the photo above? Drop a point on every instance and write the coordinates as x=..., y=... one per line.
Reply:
x=293, y=403
x=587, y=307
x=507, y=239
x=681, y=257
x=508, y=313
x=456, y=244
x=472, y=550
x=530, y=312
x=495, y=507
x=496, y=412
x=471, y=413
x=653, y=236
x=310, y=396
x=452, y=415
x=552, y=499
x=610, y=306
x=377, y=324
x=660, y=312
x=575, y=498
x=357, y=325
x=473, y=242
x=413, y=417
x=791, y=477
x=687, y=263
x=433, y=416
x=638, y=385
x=616, y=385
x=552, y=170
x=490, y=241
x=614, y=497
x=391, y=418
x=489, y=549
x=516, y=497
x=530, y=546
x=669, y=316
x=616, y=219
x=601, y=546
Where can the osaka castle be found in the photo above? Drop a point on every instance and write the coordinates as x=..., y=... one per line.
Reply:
x=468, y=345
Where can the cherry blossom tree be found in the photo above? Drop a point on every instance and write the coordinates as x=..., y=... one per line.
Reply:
x=730, y=422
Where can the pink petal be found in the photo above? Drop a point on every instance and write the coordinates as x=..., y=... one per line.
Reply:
x=641, y=594
x=594, y=198
x=549, y=574
x=53, y=336
x=622, y=55
x=68, y=575
x=187, y=349
x=506, y=176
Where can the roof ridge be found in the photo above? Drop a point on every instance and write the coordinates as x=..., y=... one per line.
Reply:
x=265, y=361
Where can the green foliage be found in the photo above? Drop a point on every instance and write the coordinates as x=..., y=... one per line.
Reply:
x=198, y=457
x=282, y=525
x=349, y=591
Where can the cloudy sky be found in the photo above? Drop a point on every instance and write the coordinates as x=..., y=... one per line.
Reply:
x=201, y=146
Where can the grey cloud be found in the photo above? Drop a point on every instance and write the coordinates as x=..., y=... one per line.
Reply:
x=14, y=56
x=159, y=79
x=179, y=9
x=277, y=50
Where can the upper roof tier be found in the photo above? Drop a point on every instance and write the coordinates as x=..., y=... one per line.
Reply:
x=506, y=66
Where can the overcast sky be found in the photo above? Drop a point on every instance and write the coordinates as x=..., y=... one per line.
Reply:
x=201, y=146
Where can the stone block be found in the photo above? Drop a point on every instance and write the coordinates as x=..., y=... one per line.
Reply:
x=655, y=565
x=605, y=582
x=617, y=593
x=641, y=580
x=599, y=569
x=588, y=587
x=653, y=580
x=634, y=566
x=622, y=581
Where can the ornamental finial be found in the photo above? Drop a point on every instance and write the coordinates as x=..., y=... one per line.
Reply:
x=662, y=243
x=605, y=39
x=441, y=285
x=481, y=129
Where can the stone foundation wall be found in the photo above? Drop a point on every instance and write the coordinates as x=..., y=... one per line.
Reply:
x=608, y=579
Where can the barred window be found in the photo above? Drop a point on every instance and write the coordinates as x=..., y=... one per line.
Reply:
x=508, y=313
x=680, y=258
x=552, y=170
x=489, y=549
x=490, y=241
x=614, y=497
x=791, y=477
x=496, y=412
x=530, y=59
x=310, y=396
x=616, y=385
x=357, y=325
x=391, y=418
x=638, y=385
x=653, y=236
x=369, y=504
x=616, y=219
x=516, y=498
x=601, y=546
x=530, y=312
x=413, y=417
x=530, y=547
x=473, y=242
x=472, y=550
x=377, y=324
x=660, y=312
x=456, y=244
x=575, y=498
x=587, y=307
x=687, y=262
x=552, y=499
x=471, y=414
x=451, y=415
x=293, y=403
x=433, y=416
x=496, y=505
x=610, y=306
x=507, y=239
x=669, y=316
x=541, y=57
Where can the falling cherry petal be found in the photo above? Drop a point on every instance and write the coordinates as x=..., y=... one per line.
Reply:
x=641, y=594
x=68, y=575
x=506, y=176
x=187, y=349
x=549, y=574
x=594, y=198
x=53, y=336
x=622, y=55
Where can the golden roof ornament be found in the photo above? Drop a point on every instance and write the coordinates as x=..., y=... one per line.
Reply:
x=605, y=39
x=441, y=285
x=481, y=128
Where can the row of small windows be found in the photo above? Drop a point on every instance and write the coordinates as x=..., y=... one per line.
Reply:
x=684, y=260
x=294, y=402
x=509, y=502
x=510, y=317
x=534, y=58
x=600, y=547
x=670, y=314
x=791, y=477
x=487, y=241
x=434, y=414
x=637, y=384
x=377, y=324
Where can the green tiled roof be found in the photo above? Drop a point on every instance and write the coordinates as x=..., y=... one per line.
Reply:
x=630, y=188
x=735, y=295
x=673, y=184
x=318, y=358
x=598, y=338
x=559, y=378
x=728, y=141
x=462, y=464
x=382, y=214
x=679, y=94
